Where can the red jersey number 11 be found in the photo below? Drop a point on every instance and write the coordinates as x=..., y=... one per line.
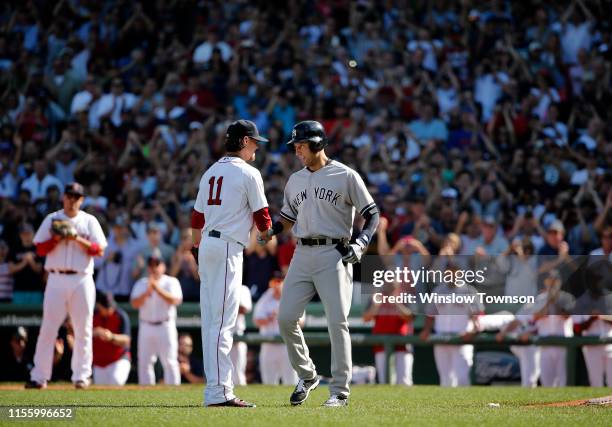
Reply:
x=217, y=199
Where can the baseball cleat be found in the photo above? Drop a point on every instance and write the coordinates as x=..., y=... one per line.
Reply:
x=81, y=384
x=235, y=403
x=35, y=385
x=336, y=400
x=302, y=390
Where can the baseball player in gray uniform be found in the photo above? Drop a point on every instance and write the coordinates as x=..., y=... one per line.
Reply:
x=319, y=204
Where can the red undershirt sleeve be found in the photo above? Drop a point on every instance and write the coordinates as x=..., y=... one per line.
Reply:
x=197, y=219
x=262, y=219
x=42, y=249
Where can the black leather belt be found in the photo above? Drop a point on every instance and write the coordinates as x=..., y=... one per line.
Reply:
x=161, y=322
x=64, y=272
x=319, y=242
x=214, y=233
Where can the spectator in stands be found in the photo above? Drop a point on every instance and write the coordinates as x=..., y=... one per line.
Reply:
x=185, y=268
x=112, y=337
x=153, y=243
x=27, y=269
x=39, y=181
x=114, y=270
x=6, y=274
x=606, y=244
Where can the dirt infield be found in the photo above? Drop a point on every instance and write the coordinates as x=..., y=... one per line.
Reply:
x=599, y=401
x=68, y=386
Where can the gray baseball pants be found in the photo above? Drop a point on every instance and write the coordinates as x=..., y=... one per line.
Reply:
x=318, y=269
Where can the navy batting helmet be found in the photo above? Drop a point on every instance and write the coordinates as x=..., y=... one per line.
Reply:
x=310, y=131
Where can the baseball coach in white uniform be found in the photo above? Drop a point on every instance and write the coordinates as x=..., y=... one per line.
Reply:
x=230, y=199
x=156, y=297
x=70, y=285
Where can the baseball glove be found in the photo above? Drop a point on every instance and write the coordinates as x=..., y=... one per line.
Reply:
x=64, y=229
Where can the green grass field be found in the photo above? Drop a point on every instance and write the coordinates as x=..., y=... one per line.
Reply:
x=369, y=405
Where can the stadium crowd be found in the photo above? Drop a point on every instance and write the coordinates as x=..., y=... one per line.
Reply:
x=480, y=127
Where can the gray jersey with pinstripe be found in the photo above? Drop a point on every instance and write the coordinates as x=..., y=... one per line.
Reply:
x=323, y=203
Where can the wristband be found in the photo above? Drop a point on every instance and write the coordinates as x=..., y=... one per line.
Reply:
x=277, y=228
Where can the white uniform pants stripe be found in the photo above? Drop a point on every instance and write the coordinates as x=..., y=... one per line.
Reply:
x=220, y=267
x=72, y=295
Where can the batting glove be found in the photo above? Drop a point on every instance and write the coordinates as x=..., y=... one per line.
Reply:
x=352, y=253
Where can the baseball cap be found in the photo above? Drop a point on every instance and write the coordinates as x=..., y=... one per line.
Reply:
x=155, y=257
x=242, y=128
x=556, y=225
x=74, y=188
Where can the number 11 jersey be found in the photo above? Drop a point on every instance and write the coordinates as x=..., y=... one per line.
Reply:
x=230, y=192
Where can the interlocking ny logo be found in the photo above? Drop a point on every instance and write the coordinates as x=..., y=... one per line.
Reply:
x=293, y=133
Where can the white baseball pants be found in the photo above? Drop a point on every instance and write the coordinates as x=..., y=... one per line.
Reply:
x=454, y=363
x=274, y=365
x=72, y=295
x=116, y=373
x=220, y=267
x=158, y=341
x=529, y=363
x=553, y=366
x=598, y=359
x=403, y=367
x=239, y=361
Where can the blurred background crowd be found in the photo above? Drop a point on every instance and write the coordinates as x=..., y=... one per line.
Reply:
x=487, y=119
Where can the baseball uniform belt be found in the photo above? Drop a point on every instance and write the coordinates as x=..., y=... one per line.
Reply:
x=64, y=271
x=319, y=242
x=161, y=322
x=217, y=234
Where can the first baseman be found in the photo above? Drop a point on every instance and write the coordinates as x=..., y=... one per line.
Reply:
x=319, y=205
x=69, y=248
x=230, y=199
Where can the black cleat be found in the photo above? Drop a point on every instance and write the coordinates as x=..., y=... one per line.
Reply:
x=234, y=403
x=34, y=385
x=302, y=390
